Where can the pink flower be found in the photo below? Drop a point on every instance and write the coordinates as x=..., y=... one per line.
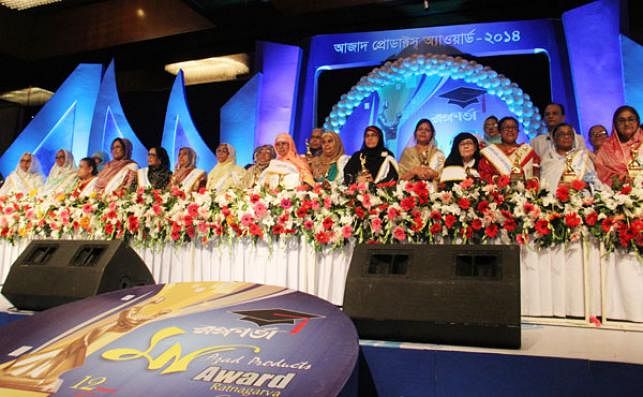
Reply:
x=327, y=202
x=193, y=210
x=308, y=224
x=347, y=231
x=286, y=203
x=376, y=225
x=246, y=219
x=260, y=210
x=157, y=209
x=399, y=233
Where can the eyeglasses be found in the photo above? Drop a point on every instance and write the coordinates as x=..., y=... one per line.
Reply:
x=282, y=144
x=598, y=133
x=221, y=150
x=509, y=128
x=626, y=120
x=60, y=157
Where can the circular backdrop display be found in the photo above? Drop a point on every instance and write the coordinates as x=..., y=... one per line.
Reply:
x=184, y=339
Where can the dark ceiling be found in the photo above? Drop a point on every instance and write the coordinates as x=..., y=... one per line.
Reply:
x=41, y=46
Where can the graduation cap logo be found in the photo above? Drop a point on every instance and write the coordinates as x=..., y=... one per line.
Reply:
x=277, y=316
x=463, y=96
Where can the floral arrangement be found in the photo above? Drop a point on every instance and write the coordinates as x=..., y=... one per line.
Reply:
x=325, y=216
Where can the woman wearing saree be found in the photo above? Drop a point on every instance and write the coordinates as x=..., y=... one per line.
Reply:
x=424, y=161
x=288, y=169
x=26, y=178
x=329, y=165
x=120, y=173
x=262, y=157
x=62, y=176
x=157, y=174
x=186, y=176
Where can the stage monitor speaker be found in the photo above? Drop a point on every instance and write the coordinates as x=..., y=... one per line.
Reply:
x=452, y=294
x=49, y=273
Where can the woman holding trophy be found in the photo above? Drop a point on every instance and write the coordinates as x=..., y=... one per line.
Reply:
x=373, y=163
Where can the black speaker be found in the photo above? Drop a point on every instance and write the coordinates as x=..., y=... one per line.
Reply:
x=452, y=294
x=49, y=273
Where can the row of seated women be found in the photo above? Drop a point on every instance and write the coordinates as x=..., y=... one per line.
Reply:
x=280, y=164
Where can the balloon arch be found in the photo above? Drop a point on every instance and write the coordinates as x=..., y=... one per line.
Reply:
x=518, y=102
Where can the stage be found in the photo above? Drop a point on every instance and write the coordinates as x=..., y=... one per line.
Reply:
x=553, y=360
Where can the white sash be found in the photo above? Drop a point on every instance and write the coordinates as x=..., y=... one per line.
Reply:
x=142, y=179
x=389, y=162
x=453, y=173
x=188, y=182
x=278, y=173
x=89, y=188
x=118, y=179
x=501, y=161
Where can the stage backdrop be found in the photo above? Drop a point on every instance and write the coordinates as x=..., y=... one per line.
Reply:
x=183, y=339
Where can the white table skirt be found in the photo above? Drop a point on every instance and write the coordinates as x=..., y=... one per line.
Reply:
x=552, y=281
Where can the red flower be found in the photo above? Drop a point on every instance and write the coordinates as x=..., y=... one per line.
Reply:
x=132, y=224
x=328, y=223
x=157, y=209
x=359, y=211
x=533, y=184
x=483, y=206
x=277, y=229
x=467, y=183
x=189, y=230
x=246, y=219
x=606, y=224
x=322, y=237
x=399, y=233
x=193, y=210
x=572, y=220
x=542, y=227
x=392, y=213
x=464, y=203
x=510, y=225
x=562, y=193
x=528, y=207
x=449, y=220
x=626, y=189
x=521, y=239
x=476, y=224
x=591, y=219
x=466, y=232
x=254, y=198
x=109, y=229
x=308, y=224
x=578, y=184
x=436, y=228
x=502, y=181
x=407, y=203
x=255, y=230
x=435, y=215
x=366, y=201
x=491, y=230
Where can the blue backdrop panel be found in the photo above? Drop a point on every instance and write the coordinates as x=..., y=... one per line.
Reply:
x=279, y=64
x=179, y=129
x=63, y=122
x=632, y=76
x=239, y=120
x=109, y=121
x=592, y=34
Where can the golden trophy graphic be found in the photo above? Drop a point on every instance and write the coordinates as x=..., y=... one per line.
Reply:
x=516, y=171
x=634, y=167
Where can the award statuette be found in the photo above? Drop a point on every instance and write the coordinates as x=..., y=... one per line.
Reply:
x=634, y=167
x=363, y=171
x=569, y=175
x=309, y=154
x=516, y=171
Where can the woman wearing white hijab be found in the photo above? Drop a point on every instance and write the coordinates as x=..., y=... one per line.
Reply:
x=226, y=173
x=62, y=176
x=26, y=178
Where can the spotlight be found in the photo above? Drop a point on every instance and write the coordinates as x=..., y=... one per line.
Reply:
x=426, y=4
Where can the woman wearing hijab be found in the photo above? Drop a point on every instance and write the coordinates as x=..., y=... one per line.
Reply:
x=373, y=163
x=186, y=176
x=424, y=161
x=262, y=156
x=62, y=176
x=25, y=178
x=288, y=169
x=100, y=159
x=462, y=162
x=120, y=173
x=157, y=174
x=226, y=173
x=329, y=165
x=620, y=156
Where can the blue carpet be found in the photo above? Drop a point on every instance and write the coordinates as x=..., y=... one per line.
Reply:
x=394, y=372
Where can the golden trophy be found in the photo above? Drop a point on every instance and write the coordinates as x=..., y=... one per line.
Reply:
x=516, y=171
x=363, y=171
x=569, y=175
x=634, y=167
